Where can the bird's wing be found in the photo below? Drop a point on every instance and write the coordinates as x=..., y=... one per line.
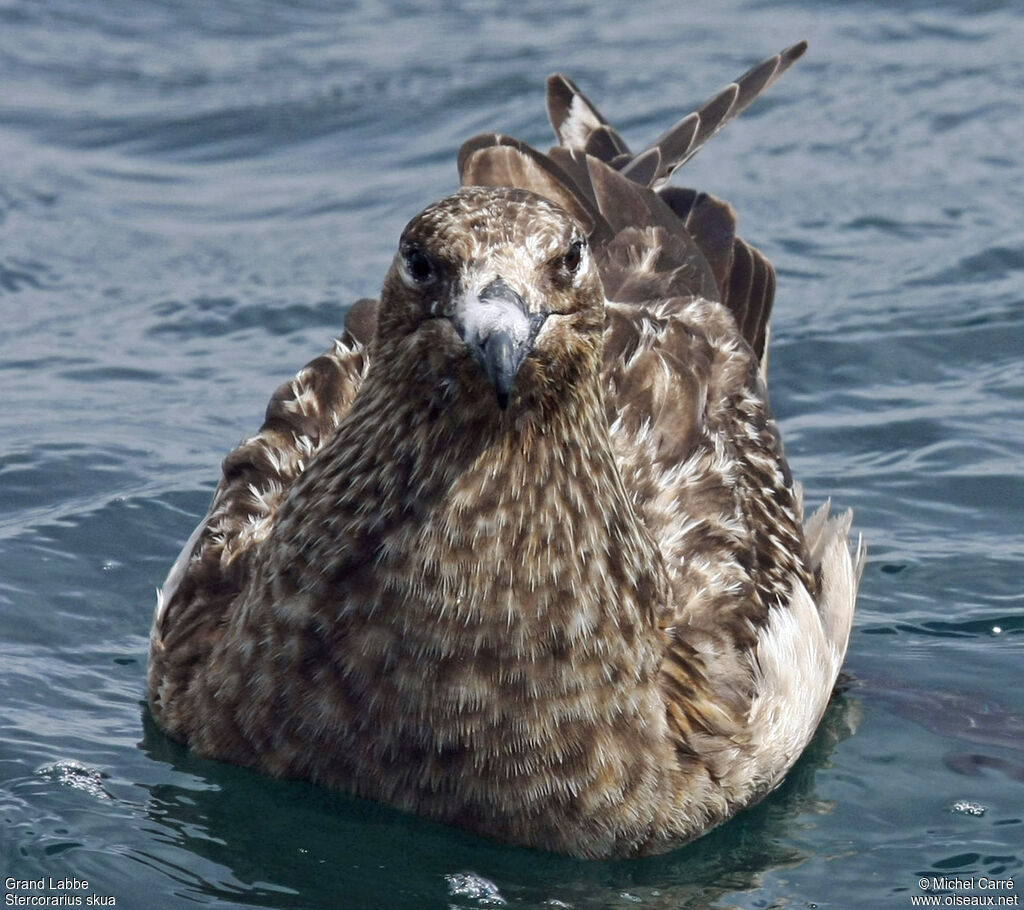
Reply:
x=746, y=281
x=699, y=453
x=685, y=386
x=580, y=127
x=697, y=447
x=213, y=565
x=594, y=176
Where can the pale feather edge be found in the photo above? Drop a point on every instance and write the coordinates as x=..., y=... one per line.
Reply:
x=799, y=654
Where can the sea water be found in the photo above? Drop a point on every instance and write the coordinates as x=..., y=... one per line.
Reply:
x=192, y=194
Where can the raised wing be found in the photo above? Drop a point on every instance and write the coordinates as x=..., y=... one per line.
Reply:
x=696, y=443
x=580, y=127
x=593, y=175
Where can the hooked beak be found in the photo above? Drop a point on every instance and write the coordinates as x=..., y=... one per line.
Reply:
x=499, y=331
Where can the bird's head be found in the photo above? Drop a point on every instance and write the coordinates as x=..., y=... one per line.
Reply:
x=494, y=293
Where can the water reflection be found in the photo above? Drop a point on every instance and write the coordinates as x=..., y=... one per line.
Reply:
x=291, y=844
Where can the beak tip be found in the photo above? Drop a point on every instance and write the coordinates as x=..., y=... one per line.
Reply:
x=502, y=358
x=500, y=332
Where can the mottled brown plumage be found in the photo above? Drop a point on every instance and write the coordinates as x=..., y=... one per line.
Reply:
x=521, y=551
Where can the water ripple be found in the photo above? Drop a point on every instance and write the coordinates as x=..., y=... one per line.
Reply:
x=192, y=195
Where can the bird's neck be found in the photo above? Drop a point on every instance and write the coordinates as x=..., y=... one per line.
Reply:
x=486, y=537
x=485, y=601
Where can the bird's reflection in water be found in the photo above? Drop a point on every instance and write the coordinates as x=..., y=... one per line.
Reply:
x=280, y=843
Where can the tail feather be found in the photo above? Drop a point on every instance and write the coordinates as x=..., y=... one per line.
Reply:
x=737, y=291
x=750, y=294
x=712, y=224
x=828, y=542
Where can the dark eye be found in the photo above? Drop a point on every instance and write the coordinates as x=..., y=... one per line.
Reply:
x=573, y=257
x=419, y=266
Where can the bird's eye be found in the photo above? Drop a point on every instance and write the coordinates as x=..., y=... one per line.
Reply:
x=419, y=266
x=573, y=257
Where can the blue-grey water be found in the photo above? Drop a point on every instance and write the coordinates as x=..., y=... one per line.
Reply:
x=192, y=193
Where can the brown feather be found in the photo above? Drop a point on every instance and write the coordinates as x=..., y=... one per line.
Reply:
x=496, y=160
x=578, y=124
x=583, y=618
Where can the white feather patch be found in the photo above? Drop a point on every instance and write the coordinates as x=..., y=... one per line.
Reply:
x=579, y=124
x=795, y=668
x=799, y=654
